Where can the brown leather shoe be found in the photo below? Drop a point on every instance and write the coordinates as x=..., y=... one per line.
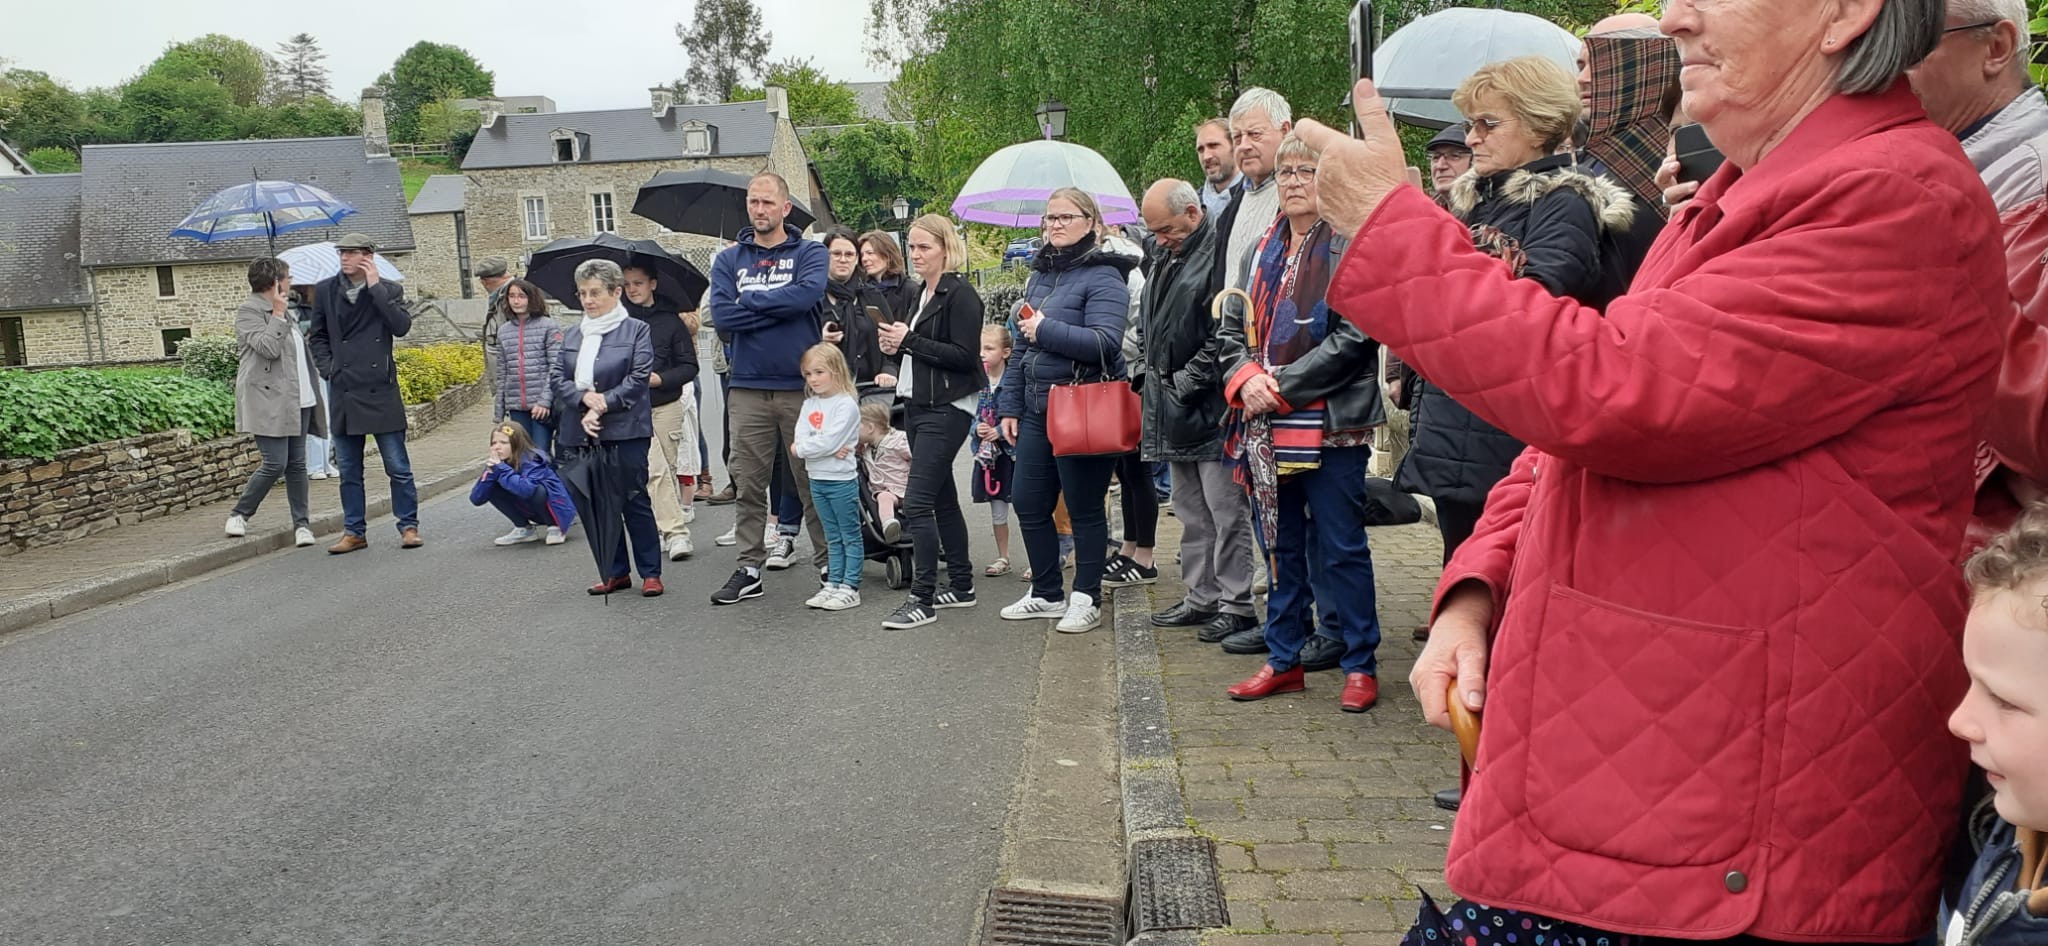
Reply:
x=410, y=539
x=348, y=543
x=724, y=497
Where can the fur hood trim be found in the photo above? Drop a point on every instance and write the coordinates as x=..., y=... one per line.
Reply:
x=1612, y=204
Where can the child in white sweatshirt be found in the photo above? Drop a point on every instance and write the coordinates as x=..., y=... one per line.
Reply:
x=827, y=436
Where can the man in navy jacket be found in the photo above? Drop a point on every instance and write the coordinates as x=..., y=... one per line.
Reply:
x=767, y=291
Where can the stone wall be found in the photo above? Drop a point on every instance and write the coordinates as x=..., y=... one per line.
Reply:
x=108, y=485
x=53, y=336
x=435, y=270
x=133, y=317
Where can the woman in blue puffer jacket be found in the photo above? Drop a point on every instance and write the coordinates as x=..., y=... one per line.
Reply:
x=1073, y=331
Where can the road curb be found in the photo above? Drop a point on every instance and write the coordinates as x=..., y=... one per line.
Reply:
x=106, y=588
x=1176, y=888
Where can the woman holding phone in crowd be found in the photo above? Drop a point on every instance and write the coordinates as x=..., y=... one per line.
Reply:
x=852, y=303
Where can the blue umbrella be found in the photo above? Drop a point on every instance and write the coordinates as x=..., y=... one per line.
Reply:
x=262, y=208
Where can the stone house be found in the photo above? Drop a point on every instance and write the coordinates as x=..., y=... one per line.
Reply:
x=90, y=272
x=440, y=266
x=534, y=178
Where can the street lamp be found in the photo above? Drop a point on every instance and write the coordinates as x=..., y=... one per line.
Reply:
x=1052, y=118
x=901, y=208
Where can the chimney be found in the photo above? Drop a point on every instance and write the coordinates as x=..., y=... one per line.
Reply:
x=778, y=102
x=663, y=98
x=488, y=109
x=376, y=140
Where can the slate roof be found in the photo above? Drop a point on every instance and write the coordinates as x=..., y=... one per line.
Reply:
x=135, y=194
x=872, y=98
x=441, y=194
x=14, y=159
x=39, y=242
x=627, y=134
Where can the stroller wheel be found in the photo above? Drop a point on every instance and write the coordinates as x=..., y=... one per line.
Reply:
x=894, y=573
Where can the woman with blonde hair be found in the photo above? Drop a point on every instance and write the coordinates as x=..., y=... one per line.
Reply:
x=940, y=384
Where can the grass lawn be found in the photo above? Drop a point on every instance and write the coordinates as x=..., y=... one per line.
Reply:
x=413, y=173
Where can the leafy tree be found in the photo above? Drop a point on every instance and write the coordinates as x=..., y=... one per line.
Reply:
x=300, y=73
x=429, y=72
x=241, y=69
x=441, y=121
x=178, y=99
x=312, y=118
x=865, y=168
x=814, y=99
x=726, y=45
x=52, y=160
x=40, y=112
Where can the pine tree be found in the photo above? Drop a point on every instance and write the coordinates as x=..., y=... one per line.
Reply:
x=726, y=46
x=301, y=75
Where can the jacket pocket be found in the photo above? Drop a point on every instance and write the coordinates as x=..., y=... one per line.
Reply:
x=1645, y=733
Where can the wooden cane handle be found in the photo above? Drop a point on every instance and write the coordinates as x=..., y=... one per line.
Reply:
x=1464, y=725
x=1216, y=305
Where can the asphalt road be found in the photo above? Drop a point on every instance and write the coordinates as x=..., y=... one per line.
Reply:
x=456, y=745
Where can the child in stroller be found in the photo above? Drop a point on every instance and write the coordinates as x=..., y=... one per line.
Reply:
x=884, y=475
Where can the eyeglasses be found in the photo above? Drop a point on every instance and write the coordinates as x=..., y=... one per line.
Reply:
x=1305, y=174
x=1973, y=26
x=1487, y=126
x=1061, y=220
x=1448, y=156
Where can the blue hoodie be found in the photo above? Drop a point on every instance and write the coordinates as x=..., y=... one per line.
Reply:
x=765, y=303
x=534, y=484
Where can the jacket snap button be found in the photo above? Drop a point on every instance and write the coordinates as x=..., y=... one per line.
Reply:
x=1735, y=881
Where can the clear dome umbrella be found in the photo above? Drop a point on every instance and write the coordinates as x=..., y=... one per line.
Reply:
x=1010, y=187
x=1418, y=67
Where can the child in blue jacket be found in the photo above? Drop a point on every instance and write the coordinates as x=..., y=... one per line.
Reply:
x=518, y=482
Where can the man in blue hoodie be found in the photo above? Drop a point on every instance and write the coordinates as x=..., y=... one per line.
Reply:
x=767, y=293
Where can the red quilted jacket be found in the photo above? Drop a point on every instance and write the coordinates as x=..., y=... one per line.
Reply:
x=1728, y=609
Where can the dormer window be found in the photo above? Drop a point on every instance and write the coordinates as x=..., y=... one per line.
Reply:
x=568, y=146
x=697, y=138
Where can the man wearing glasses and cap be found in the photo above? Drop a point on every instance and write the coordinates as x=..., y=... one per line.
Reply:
x=355, y=317
x=1449, y=157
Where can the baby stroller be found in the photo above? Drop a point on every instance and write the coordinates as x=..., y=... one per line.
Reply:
x=895, y=557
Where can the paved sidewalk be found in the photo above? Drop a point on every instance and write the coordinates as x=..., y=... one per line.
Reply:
x=1323, y=819
x=52, y=581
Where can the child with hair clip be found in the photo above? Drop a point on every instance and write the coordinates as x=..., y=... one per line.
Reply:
x=993, y=457
x=519, y=482
x=827, y=437
x=886, y=452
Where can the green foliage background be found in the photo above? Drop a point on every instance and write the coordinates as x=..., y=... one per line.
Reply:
x=43, y=412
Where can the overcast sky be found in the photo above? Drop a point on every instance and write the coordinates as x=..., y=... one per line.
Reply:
x=584, y=55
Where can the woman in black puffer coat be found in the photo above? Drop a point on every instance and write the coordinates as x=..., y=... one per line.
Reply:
x=1542, y=217
x=848, y=297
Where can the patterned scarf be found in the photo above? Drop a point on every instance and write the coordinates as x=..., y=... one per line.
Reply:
x=1287, y=288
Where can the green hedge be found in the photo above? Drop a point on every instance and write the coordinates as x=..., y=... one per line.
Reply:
x=213, y=357
x=43, y=412
x=425, y=372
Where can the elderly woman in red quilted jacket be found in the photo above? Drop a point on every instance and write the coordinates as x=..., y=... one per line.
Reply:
x=1711, y=615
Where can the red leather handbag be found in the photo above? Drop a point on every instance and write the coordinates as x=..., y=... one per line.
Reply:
x=1097, y=418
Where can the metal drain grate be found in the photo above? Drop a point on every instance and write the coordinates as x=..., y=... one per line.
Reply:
x=1174, y=886
x=1033, y=918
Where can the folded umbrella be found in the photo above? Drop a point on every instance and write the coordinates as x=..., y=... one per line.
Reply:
x=600, y=484
x=317, y=261
x=1010, y=187
x=678, y=283
x=705, y=201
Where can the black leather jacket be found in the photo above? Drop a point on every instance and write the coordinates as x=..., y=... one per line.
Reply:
x=1182, y=381
x=1343, y=371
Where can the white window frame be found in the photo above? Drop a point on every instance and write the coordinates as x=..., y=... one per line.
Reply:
x=702, y=133
x=527, y=202
x=611, y=208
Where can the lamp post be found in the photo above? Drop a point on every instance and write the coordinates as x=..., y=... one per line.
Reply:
x=900, y=207
x=1052, y=118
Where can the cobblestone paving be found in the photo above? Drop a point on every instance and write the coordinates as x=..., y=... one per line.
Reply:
x=1323, y=820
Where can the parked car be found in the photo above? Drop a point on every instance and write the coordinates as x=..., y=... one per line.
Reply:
x=1019, y=252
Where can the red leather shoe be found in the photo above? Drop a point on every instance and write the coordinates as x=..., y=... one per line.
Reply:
x=609, y=585
x=650, y=588
x=1265, y=683
x=1361, y=691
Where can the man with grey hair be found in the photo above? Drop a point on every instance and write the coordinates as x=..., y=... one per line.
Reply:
x=1975, y=84
x=1219, y=167
x=1258, y=121
x=1183, y=410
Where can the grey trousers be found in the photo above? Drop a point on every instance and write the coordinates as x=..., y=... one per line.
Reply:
x=763, y=426
x=1216, y=537
x=282, y=457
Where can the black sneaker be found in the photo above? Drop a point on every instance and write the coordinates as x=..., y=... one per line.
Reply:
x=953, y=599
x=738, y=588
x=1224, y=625
x=1321, y=653
x=911, y=613
x=1124, y=572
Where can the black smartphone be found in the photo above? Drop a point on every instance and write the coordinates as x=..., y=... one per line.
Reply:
x=875, y=315
x=1361, y=40
x=1698, y=159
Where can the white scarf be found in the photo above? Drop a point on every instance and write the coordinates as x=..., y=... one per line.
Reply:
x=594, y=330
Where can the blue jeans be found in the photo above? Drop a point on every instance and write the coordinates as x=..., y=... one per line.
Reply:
x=1040, y=480
x=521, y=514
x=405, y=500
x=541, y=432
x=1340, y=588
x=838, y=504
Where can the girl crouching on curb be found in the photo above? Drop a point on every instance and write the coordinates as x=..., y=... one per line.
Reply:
x=518, y=482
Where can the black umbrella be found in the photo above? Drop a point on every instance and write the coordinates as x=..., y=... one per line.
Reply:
x=704, y=201
x=599, y=484
x=678, y=282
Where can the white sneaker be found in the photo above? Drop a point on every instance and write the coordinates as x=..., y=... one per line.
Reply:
x=892, y=530
x=689, y=514
x=842, y=599
x=238, y=526
x=729, y=537
x=780, y=551
x=302, y=537
x=518, y=536
x=335, y=473
x=1030, y=607
x=824, y=594
x=556, y=536
x=317, y=475
x=679, y=547
x=1428, y=504
x=1082, y=616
